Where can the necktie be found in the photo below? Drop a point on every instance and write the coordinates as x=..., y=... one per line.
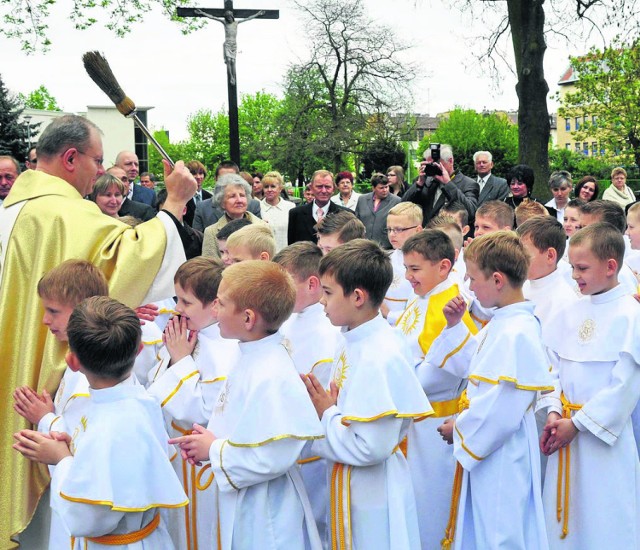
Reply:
x=319, y=215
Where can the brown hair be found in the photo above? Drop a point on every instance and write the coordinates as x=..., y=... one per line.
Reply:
x=528, y=209
x=544, y=232
x=497, y=211
x=72, y=281
x=343, y=223
x=200, y=276
x=301, y=259
x=432, y=244
x=360, y=264
x=450, y=227
x=500, y=251
x=264, y=287
x=105, y=336
x=195, y=167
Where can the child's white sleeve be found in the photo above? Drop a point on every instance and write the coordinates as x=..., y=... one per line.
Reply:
x=80, y=519
x=608, y=411
x=236, y=467
x=491, y=419
x=359, y=443
x=52, y=422
x=182, y=392
x=452, y=351
x=551, y=400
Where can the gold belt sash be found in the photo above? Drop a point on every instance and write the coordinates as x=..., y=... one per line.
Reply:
x=128, y=538
x=445, y=408
x=564, y=455
x=450, y=531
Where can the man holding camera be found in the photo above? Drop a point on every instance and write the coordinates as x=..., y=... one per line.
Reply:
x=438, y=184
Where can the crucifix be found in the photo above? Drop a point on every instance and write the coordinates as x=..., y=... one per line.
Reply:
x=230, y=18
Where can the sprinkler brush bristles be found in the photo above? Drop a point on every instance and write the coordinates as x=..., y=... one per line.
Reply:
x=98, y=69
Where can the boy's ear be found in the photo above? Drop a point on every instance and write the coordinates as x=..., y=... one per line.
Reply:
x=499, y=279
x=313, y=283
x=360, y=297
x=444, y=267
x=140, y=348
x=264, y=256
x=249, y=318
x=465, y=230
x=612, y=267
x=72, y=361
x=552, y=255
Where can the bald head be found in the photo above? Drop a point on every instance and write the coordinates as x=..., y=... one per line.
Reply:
x=128, y=161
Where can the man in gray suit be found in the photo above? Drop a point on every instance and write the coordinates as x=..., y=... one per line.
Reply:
x=492, y=188
x=372, y=209
x=432, y=193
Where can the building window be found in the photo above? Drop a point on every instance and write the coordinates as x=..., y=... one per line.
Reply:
x=594, y=121
x=567, y=124
x=601, y=150
x=577, y=123
x=567, y=146
x=585, y=149
x=577, y=147
x=594, y=148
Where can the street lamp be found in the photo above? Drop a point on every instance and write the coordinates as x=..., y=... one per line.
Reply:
x=28, y=119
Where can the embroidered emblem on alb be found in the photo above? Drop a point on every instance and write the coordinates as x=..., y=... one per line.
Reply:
x=486, y=332
x=410, y=319
x=396, y=281
x=222, y=398
x=287, y=345
x=60, y=392
x=340, y=374
x=587, y=331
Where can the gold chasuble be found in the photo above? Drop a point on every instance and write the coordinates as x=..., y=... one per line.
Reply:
x=54, y=224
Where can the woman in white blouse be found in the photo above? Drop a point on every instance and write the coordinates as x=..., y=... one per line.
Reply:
x=346, y=196
x=274, y=209
x=619, y=191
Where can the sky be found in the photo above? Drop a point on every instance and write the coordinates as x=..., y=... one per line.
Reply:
x=158, y=66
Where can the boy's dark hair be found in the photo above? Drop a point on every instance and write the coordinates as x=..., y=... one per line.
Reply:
x=501, y=252
x=456, y=209
x=105, y=336
x=360, y=264
x=607, y=211
x=161, y=198
x=201, y=276
x=227, y=164
x=497, y=211
x=301, y=259
x=544, y=232
x=603, y=239
x=231, y=228
x=344, y=224
x=72, y=281
x=432, y=244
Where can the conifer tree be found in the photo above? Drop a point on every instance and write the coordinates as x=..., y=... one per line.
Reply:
x=13, y=132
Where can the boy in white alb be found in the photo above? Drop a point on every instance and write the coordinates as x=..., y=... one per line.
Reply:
x=260, y=422
x=592, y=486
x=428, y=257
x=495, y=439
x=312, y=342
x=186, y=383
x=403, y=221
x=252, y=242
x=61, y=289
x=113, y=476
x=373, y=397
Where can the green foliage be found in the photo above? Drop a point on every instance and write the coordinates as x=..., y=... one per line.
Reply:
x=609, y=89
x=13, y=132
x=468, y=131
x=578, y=165
x=380, y=154
x=40, y=98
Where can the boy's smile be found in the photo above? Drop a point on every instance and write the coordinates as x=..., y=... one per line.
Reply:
x=423, y=274
x=593, y=276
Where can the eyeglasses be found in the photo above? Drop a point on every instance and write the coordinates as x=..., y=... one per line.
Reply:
x=393, y=230
x=97, y=160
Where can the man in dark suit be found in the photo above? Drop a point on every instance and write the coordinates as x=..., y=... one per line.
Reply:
x=372, y=209
x=431, y=193
x=128, y=161
x=492, y=188
x=128, y=207
x=303, y=218
x=206, y=213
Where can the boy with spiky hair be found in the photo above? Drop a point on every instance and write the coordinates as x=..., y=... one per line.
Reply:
x=493, y=216
x=373, y=397
x=496, y=500
x=253, y=242
x=121, y=505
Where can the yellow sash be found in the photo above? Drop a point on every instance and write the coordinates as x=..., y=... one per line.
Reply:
x=564, y=455
x=128, y=538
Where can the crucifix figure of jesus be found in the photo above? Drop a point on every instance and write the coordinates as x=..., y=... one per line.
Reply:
x=230, y=18
x=230, y=48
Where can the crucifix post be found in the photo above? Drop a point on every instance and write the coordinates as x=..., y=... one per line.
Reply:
x=230, y=18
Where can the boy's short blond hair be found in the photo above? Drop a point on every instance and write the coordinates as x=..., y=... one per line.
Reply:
x=301, y=259
x=360, y=263
x=635, y=210
x=604, y=241
x=256, y=238
x=72, y=281
x=264, y=287
x=528, y=209
x=408, y=209
x=497, y=211
x=500, y=251
x=450, y=227
x=201, y=276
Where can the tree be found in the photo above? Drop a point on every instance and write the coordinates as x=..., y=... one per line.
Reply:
x=40, y=98
x=13, y=132
x=380, y=154
x=608, y=89
x=468, y=131
x=359, y=74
